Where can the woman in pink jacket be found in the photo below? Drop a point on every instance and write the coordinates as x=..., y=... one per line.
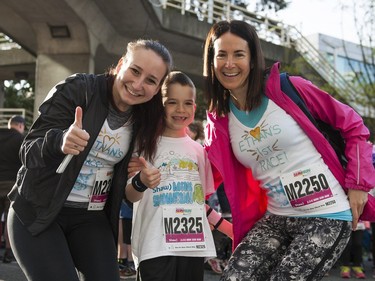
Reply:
x=293, y=205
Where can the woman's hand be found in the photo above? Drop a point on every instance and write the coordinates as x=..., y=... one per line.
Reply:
x=75, y=139
x=357, y=201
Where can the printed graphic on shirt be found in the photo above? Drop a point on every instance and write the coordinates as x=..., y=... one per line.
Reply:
x=268, y=155
x=183, y=185
x=255, y=133
x=108, y=143
x=277, y=193
x=108, y=149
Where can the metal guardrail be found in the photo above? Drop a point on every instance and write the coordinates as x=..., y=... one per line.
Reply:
x=216, y=10
x=6, y=113
x=270, y=30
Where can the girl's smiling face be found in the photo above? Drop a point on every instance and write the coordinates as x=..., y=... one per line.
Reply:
x=138, y=79
x=179, y=105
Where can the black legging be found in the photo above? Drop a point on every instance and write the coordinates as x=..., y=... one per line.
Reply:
x=79, y=245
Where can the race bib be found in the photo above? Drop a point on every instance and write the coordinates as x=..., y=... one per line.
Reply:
x=183, y=228
x=307, y=189
x=100, y=190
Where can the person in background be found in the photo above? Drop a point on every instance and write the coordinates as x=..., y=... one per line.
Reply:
x=171, y=222
x=223, y=243
x=196, y=131
x=11, y=139
x=125, y=258
x=293, y=204
x=63, y=221
x=351, y=258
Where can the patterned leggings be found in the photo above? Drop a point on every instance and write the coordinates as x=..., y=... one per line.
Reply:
x=288, y=248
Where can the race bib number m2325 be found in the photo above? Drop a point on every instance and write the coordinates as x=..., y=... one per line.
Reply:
x=183, y=228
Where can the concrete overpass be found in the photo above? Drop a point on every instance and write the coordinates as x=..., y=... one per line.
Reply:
x=62, y=37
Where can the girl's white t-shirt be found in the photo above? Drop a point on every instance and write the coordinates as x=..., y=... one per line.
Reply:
x=170, y=220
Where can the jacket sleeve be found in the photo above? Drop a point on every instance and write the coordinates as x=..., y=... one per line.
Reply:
x=359, y=172
x=210, y=133
x=42, y=145
x=206, y=175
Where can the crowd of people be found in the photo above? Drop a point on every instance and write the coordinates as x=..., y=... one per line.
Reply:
x=119, y=180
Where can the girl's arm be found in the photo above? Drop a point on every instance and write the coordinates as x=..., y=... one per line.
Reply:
x=218, y=222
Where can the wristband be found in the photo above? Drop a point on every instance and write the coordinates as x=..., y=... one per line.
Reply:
x=212, y=216
x=208, y=212
x=218, y=223
x=138, y=185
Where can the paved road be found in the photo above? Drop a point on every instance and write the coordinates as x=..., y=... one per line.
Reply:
x=12, y=272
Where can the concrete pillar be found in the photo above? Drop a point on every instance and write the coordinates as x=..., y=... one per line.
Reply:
x=2, y=94
x=53, y=68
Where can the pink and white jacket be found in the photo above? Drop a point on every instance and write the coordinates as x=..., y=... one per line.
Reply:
x=247, y=200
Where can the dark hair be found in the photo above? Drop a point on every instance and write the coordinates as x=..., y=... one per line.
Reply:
x=217, y=96
x=176, y=77
x=16, y=119
x=197, y=127
x=145, y=115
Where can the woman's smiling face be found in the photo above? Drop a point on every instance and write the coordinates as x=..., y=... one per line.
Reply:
x=138, y=79
x=232, y=62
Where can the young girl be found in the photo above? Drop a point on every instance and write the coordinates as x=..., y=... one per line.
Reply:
x=171, y=233
x=64, y=225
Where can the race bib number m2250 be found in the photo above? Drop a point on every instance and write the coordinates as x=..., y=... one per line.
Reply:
x=307, y=189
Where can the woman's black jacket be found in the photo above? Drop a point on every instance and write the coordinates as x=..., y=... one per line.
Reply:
x=39, y=192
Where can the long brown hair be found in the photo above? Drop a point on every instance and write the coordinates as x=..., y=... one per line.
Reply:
x=218, y=96
x=148, y=117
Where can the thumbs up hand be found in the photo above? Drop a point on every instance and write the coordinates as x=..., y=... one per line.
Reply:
x=149, y=175
x=75, y=139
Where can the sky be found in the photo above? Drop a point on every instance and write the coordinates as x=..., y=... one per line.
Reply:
x=321, y=16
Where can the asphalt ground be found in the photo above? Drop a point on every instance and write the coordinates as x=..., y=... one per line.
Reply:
x=12, y=272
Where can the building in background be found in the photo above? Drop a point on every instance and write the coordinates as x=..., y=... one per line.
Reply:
x=346, y=57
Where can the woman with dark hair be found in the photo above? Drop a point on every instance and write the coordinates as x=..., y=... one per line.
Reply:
x=286, y=187
x=63, y=221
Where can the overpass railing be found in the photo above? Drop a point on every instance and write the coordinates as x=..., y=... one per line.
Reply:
x=216, y=10
x=270, y=30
